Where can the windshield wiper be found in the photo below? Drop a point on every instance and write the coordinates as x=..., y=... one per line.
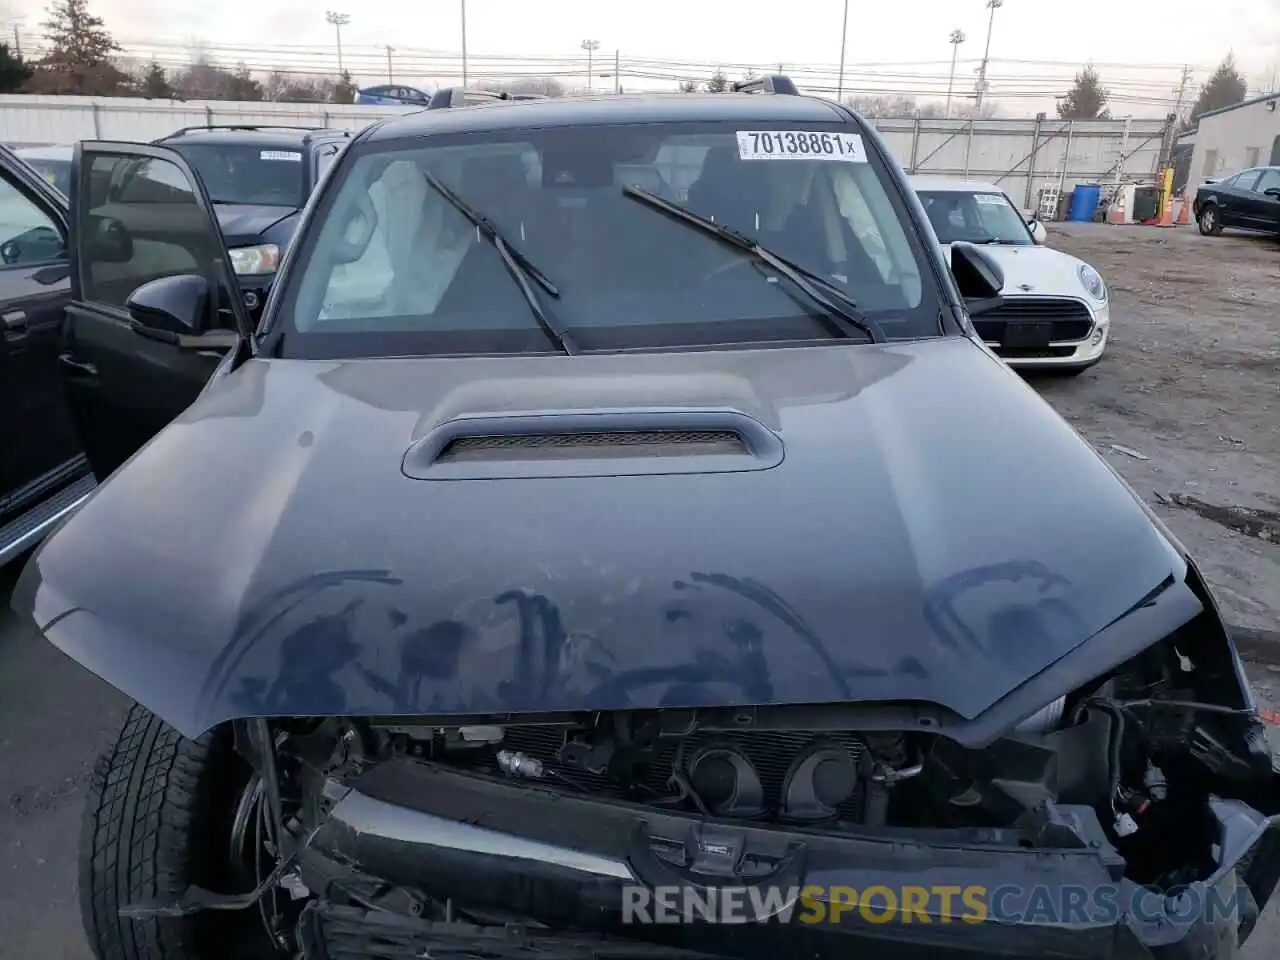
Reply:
x=842, y=312
x=517, y=264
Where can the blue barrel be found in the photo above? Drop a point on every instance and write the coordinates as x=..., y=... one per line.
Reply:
x=1084, y=201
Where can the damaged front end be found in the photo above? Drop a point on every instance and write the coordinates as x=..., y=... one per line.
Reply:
x=1137, y=815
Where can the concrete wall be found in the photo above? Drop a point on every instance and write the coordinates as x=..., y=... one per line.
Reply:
x=1231, y=141
x=1020, y=155
x=28, y=120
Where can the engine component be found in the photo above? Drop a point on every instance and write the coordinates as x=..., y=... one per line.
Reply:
x=518, y=765
x=722, y=777
x=821, y=778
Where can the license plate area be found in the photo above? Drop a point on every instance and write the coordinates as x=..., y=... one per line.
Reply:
x=1027, y=333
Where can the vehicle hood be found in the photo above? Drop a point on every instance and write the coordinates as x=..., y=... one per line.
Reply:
x=243, y=224
x=1046, y=271
x=910, y=522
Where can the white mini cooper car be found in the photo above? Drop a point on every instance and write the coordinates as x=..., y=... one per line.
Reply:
x=1056, y=314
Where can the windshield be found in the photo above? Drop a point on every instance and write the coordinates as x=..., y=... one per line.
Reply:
x=975, y=217
x=57, y=173
x=238, y=173
x=394, y=268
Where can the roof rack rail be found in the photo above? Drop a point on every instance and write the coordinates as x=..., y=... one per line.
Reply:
x=776, y=83
x=242, y=126
x=464, y=96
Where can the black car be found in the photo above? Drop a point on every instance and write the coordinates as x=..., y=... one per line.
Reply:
x=1249, y=199
x=595, y=542
x=259, y=179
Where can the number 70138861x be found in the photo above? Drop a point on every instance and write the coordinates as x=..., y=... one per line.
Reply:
x=801, y=145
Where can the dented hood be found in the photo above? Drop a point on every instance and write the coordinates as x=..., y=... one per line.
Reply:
x=899, y=522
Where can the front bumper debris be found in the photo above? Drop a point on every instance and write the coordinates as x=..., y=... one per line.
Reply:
x=668, y=880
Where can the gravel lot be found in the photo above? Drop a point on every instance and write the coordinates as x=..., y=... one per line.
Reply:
x=1190, y=386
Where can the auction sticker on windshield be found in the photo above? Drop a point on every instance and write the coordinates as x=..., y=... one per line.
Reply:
x=800, y=145
x=989, y=199
x=289, y=155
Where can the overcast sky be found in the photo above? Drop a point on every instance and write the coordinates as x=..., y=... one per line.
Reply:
x=1106, y=32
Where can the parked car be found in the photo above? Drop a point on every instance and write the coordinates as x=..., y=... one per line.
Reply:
x=1056, y=314
x=393, y=94
x=592, y=518
x=44, y=474
x=259, y=178
x=1249, y=199
x=52, y=162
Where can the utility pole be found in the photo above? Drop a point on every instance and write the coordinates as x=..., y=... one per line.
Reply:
x=339, y=20
x=1182, y=92
x=844, y=36
x=993, y=6
x=957, y=38
x=617, y=71
x=17, y=41
x=391, y=76
x=591, y=46
x=464, y=42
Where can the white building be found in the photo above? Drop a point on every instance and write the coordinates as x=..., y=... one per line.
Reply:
x=1246, y=134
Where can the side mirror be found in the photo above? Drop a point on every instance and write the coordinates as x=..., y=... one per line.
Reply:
x=978, y=277
x=1272, y=192
x=1038, y=233
x=170, y=307
x=33, y=246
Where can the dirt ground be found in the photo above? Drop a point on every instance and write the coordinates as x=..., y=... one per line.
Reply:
x=1186, y=402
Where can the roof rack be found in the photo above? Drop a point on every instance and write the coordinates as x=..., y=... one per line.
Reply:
x=462, y=96
x=244, y=126
x=776, y=83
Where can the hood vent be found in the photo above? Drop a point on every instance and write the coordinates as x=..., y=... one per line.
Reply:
x=634, y=443
x=627, y=443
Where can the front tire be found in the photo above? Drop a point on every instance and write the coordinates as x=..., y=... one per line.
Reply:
x=1209, y=221
x=155, y=823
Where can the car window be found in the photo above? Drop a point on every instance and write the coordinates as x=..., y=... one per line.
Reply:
x=975, y=217
x=248, y=173
x=150, y=224
x=56, y=173
x=389, y=256
x=1245, y=180
x=28, y=235
x=1270, y=179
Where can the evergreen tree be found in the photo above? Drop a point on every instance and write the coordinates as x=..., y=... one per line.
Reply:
x=718, y=83
x=80, y=52
x=14, y=71
x=1087, y=98
x=1225, y=88
x=155, y=83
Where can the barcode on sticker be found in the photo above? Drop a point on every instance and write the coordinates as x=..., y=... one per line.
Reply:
x=280, y=155
x=801, y=145
x=991, y=199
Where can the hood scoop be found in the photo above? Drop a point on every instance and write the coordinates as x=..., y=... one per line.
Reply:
x=593, y=444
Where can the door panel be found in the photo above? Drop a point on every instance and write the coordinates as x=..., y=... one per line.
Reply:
x=1264, y=210
x=123, y=387
x=36, y=434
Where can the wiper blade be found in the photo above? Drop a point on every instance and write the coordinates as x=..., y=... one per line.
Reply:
x=842, y=312
x=517, y=264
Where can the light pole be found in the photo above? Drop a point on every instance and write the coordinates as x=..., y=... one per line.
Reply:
x=993, y=6
x=591, y=46
x=464, y=42
x=957, y=38
x=391, y=78
x=339, y=20
x=844, y=36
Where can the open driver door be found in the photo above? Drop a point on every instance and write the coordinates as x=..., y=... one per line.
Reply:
x=155, y=307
